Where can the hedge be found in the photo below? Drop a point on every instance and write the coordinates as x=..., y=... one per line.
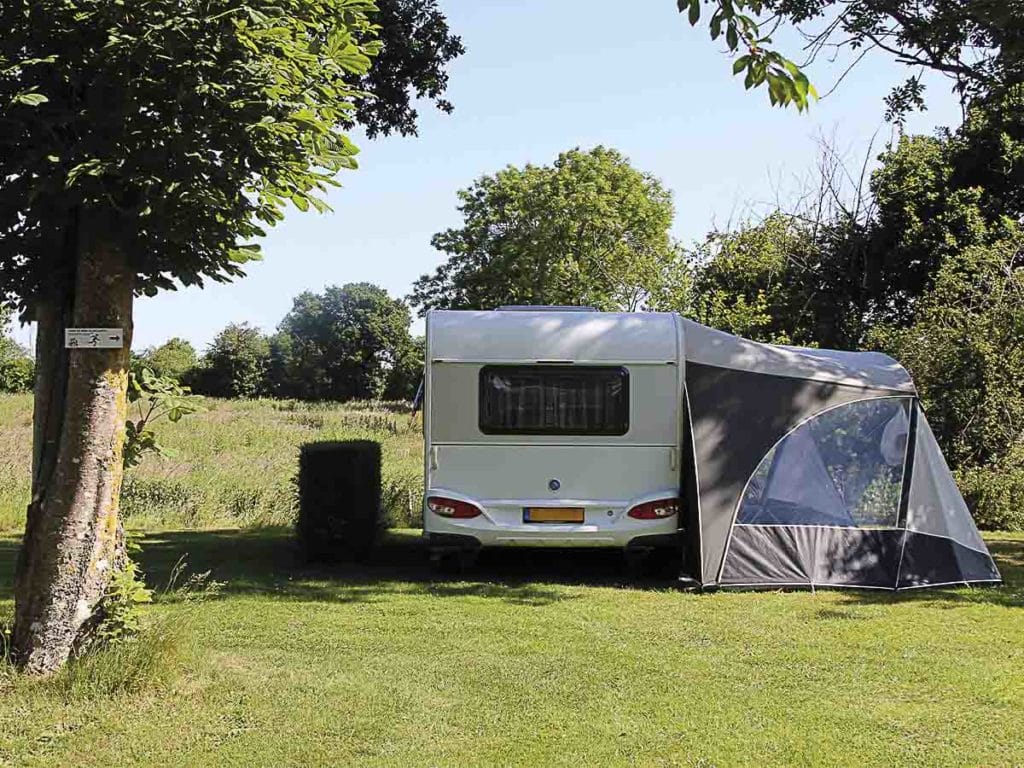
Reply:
x=339, y=488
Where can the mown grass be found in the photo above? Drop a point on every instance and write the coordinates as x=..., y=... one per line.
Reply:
x=538, y=659
x=232, y=465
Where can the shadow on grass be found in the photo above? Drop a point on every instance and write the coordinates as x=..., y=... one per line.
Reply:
x=267, y=562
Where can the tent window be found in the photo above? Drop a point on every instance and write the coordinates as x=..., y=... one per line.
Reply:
x=554, y=400
x=844, y=467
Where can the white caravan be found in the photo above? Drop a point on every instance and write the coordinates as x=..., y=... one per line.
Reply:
x=552, y=426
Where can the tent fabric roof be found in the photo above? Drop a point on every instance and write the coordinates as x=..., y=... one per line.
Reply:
x=859, y=369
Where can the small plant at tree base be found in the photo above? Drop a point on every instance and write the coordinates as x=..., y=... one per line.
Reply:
x=154, y=398
x=117, y=617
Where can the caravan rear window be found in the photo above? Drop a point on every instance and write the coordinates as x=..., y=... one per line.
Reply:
x=554, y=400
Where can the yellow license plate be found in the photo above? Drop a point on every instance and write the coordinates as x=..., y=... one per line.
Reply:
x=553, y=515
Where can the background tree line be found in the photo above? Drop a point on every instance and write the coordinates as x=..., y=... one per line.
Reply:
x=350, y=341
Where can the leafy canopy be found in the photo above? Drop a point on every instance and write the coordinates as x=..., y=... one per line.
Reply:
x=152, y=397
x=235, y=364
x=415, y=47
x=195, y=121
x=937, y=196
x=172, y=359
x=589, y=229
x=350, y=341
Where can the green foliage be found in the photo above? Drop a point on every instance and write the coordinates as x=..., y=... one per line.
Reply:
x=782, y=279
x=175, y=358
x=407, y=371
x=976, y=45
x=749, y=282
x=235, y=364
x=155, y=398
x=415, y=47
x=965, y=349
x=787, y=83
x=339, y=490
x=995, y=493
x=17, y=368
x=194, y=125
x=937, y=196
x=589, y=229
x=348, y=342
x=118, y=612
x=826, y=280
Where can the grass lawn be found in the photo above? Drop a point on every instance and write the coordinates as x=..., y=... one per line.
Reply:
x=538, y=659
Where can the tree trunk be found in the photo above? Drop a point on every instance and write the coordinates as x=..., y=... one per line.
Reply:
x=72, y=538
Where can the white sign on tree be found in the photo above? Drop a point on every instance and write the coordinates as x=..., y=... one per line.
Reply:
x=94, y=338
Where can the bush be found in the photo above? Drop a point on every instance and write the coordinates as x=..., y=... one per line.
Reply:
x=235, y=364
x=995, y=495
x=17, y=368
x=339, y=485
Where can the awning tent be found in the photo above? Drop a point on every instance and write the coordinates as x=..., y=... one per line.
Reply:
x=816, y=468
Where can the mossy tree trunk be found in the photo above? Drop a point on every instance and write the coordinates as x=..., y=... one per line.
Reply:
x=72, y=540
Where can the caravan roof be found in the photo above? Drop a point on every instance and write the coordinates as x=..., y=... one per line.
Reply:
x=542, y=335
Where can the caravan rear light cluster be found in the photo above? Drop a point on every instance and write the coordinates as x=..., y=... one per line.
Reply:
x=655, y=510
x=439, y=505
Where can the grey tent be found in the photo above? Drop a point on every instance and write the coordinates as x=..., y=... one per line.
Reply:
x=809, y=467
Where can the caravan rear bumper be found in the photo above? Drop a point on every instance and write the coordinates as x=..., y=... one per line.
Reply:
x=605, y=524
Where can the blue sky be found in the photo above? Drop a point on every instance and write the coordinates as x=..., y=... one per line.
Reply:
x=539, y=77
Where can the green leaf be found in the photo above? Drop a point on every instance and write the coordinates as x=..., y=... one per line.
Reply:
x=731, y=38
x=30, y=99
x=694, y=12
x=740, y=63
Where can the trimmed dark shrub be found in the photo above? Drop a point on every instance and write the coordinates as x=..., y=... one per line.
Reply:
x=339, y=499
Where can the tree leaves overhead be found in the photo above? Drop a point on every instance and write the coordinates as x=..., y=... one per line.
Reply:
x=978, y=44
x=416, y=47
x=196, y=121
x=589, y=229
x=787, y=84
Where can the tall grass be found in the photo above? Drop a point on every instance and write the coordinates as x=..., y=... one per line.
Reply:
x=233, y=465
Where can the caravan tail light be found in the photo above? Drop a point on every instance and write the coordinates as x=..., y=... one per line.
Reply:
x=655, y=510
x=439, y=505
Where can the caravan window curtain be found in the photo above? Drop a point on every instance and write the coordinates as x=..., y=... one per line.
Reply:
x=554, y=400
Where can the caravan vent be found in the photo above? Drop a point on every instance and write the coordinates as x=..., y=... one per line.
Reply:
x=544, y=308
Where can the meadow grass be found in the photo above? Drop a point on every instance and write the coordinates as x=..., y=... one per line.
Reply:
x=232, y=465
x=536, y=658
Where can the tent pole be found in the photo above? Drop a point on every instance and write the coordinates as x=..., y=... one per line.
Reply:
x=908, y=472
